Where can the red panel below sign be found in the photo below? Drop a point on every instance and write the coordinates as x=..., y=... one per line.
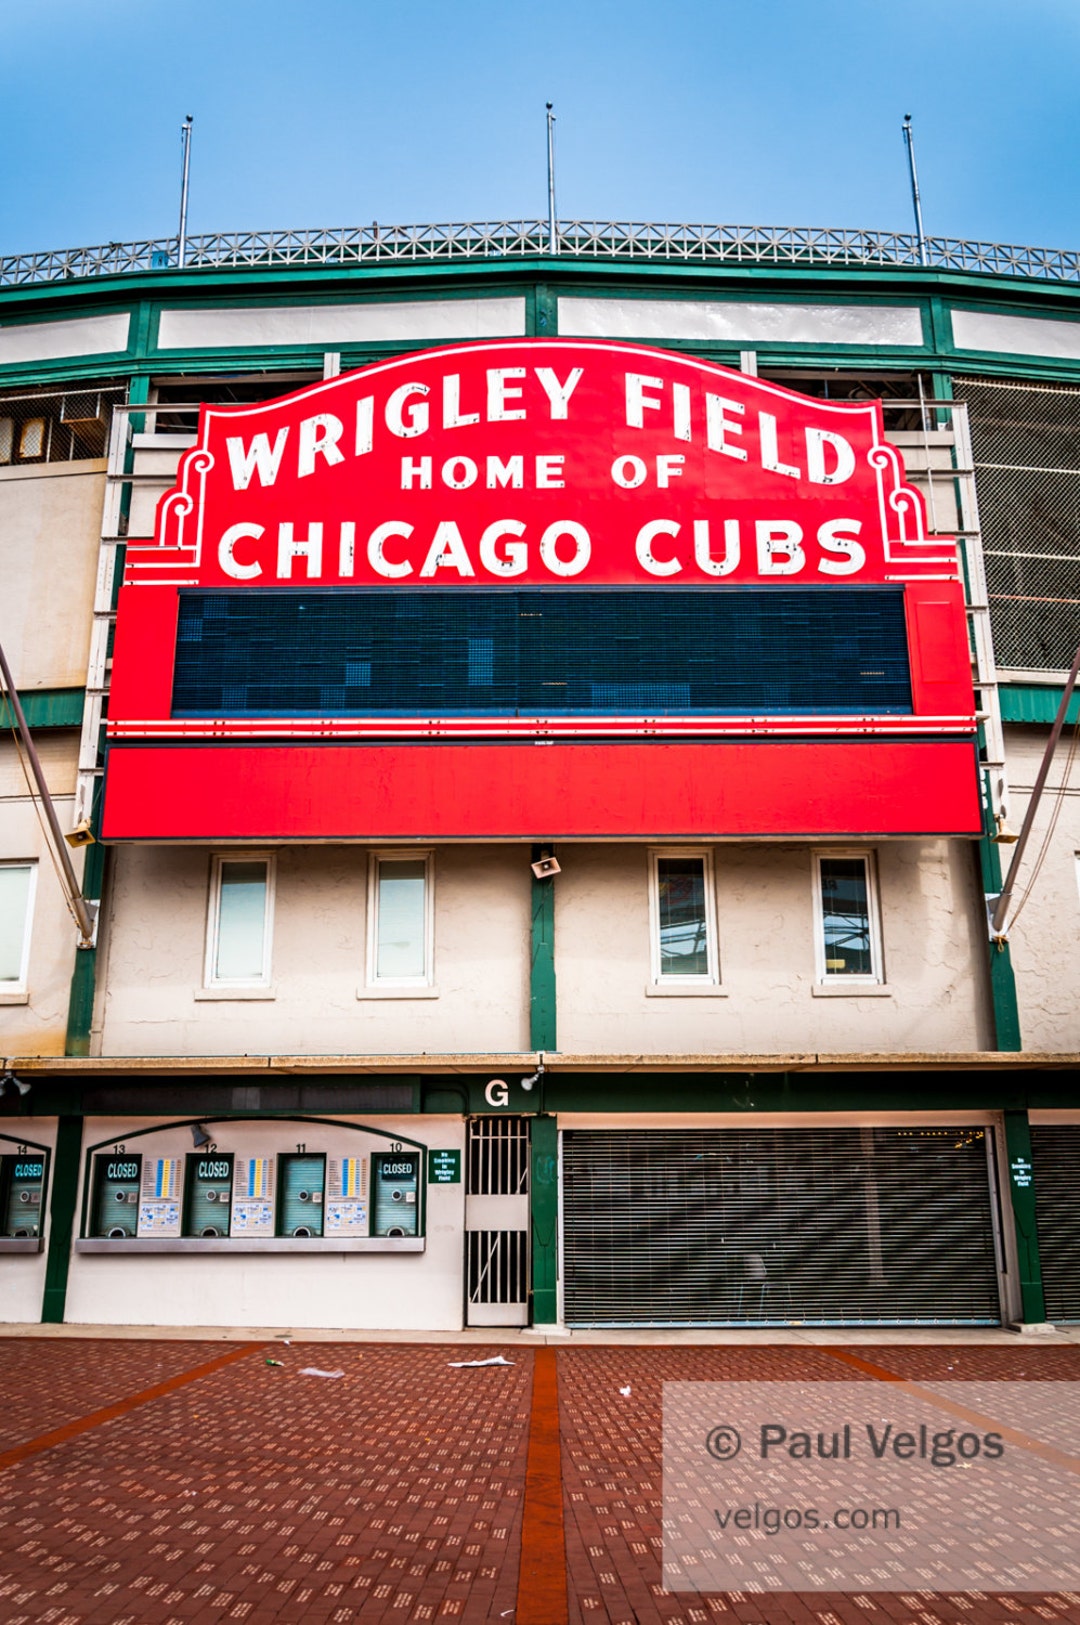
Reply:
x=303, y=792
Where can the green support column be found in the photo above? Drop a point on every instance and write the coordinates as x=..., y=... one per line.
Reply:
x=84, y=975
x=1002, y=980
x=542, y=1028
x=65, y=1187
x=544, y=1205
x=543, y=312
x=1022, y=1191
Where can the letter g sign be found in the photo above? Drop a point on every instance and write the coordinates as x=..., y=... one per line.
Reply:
x=496, y=1093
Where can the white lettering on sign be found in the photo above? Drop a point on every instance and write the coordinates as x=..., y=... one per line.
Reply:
x=293, y=547
x=703, y=553
x=452, y=415
x=770, y=457
x=817, y=471
x=319, y=437
x=496, y=1093
x=503, y=548
x=447, y=551
x=779, y=547
x=405, y=416
x=838, y=536
x=559, y=394
x=377, y=558
x=500, y=390
x=638, y=400
x=258, y=458
x=719, y=426
x=549, y=545
x=503, y=474
x=650, y=402
x=228, y=561
x=682, y=473
x=509, y=559
x=643, y=547
x=629, y=472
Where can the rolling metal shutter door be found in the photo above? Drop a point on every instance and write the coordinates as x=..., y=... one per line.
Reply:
x=1055, y=1158
x=825, y=1226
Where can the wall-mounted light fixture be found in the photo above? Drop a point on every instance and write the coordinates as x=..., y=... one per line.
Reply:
x=10, y=1083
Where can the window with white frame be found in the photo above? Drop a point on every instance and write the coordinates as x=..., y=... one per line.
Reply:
x=400, y=920
x=17, y=885
x=683, y=915
x=846, y=918
x=239, y=927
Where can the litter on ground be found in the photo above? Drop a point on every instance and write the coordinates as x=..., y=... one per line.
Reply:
x=459, y=1365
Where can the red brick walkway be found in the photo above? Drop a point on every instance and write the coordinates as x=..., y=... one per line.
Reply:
x=396, y=1492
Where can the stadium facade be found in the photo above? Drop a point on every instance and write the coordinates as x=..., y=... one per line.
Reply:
x=548, y=737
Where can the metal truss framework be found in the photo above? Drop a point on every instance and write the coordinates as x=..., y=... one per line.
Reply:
x=576, y=239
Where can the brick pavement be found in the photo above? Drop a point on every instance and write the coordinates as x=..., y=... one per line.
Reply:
x=45, y=1383
x=612, y=1479
x=257, y=1495
x=396, y=1492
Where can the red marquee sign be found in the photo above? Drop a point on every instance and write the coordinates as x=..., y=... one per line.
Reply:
x=542, y=465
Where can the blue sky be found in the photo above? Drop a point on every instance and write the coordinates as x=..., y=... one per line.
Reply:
x=782, y=112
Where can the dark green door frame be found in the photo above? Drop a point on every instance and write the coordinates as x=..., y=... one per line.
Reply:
x=1022, y=1195
x=62, y=1204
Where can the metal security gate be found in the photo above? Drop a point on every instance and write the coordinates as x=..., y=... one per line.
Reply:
x=821, y=1226
x=497, y=1221
x=1055, y=1160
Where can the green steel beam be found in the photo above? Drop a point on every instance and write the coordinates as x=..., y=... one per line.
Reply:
x=1003, y=999
x=542, y=1019
x=1022, y=1191
x=1033, y=702
x=544, y=1219
x=47, y=708
x=964, y=1087
x=65, y=1185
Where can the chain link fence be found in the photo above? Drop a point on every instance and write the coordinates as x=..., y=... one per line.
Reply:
x=1026, y=443
x=56, y=426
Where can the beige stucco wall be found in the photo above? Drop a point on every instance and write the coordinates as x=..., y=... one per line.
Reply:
x=934, y=958
x=50, y=522
x=934, y=996
x=1045, y=940
x=415, y=1291
x=162, y=464
x=36, y=1023
x=155, y=943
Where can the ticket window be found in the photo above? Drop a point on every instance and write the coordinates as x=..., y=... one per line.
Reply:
x=302, y=1181
x=117, y=1180
x=208, y=1186
x=396, y=1188
x=22, y=1187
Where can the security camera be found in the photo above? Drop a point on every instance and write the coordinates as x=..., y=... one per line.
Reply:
x=529, y=1083
x=546, y=867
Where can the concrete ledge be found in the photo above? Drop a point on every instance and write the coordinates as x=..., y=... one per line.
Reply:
x=262, y=1066
x=528, y=1337
x=253, y=1244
